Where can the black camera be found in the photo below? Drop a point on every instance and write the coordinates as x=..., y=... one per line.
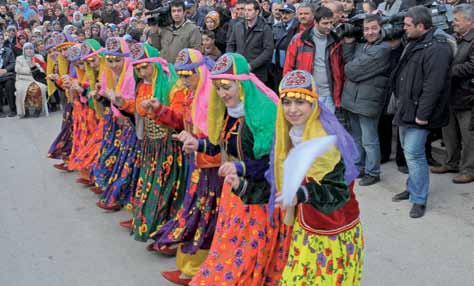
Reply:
x=160, y=16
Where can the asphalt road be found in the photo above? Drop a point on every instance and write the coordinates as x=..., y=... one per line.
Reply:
x=52, y=234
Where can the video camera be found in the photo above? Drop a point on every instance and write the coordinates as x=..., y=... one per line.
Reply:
x=392, y=26
x=160, y=15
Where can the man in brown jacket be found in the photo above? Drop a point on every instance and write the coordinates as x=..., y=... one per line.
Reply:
x=181, y=34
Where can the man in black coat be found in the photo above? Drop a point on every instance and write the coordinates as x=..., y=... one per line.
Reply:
x=7, y=79
x=254, y=40
x=421, y=81
x=457, y=136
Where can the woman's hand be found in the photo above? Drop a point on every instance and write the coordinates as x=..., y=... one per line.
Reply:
x=150, y=105
x=233, y=180
x=190, y=144
x=227, y=169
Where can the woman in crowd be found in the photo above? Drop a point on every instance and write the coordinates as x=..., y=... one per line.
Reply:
x=327, y=242
x=193, y=226
x=162, y=181
x=117, y=169
x=30, y=92
x=249, y=242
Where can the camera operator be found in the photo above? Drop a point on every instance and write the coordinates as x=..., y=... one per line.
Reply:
x=181, y=34
x=457, y=136
x=421, y=82
x=367, y=73
x=7, y=78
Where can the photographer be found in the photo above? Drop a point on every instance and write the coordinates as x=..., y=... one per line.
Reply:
x=7, y=78
x=421, y=82
x=367, y=77
x=181, y=34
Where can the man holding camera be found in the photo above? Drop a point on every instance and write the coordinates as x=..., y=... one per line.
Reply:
x=458, y=136
x=7, y=79
x=181, y=34
x=421, y=84
x=367, y=73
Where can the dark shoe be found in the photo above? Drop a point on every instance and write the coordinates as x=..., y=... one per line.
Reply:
x=442, y=170
x=174, y=276
x=2, y=115
x=417, y=211
x=361, y=175
x=463, y=179
x=368, y=180
x=150, y=247
x=403, y=169
x=61, y=166
x=11, y=114
x=432, y=162
x=37, y=113
x=405, y=195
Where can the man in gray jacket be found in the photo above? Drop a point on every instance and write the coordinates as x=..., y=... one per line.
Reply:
x=367, y=73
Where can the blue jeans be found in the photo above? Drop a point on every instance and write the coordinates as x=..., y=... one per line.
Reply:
x=328, y=103
x=365, y=133
x=413, y=143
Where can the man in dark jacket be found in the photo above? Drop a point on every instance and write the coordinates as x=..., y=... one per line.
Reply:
x=7, y=79
x=457, y=135
x=254, y=40
x=319, y=51
x=283, y=32
x=367, y=73
x=421, y=81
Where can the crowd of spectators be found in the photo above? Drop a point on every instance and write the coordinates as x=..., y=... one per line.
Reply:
x=421, y=81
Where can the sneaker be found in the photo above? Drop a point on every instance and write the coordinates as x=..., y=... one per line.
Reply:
x=405, y=195
x=403, y=169
x=417, y=211
x=368, y=180
x=463, y=179
x=442, y=170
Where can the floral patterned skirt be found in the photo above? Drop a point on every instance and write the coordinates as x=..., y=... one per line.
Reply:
x=84, y=125
x=62, y=145
x=88, y=155
x=248, y=249
x=195, y=222
x=317, y=260
x=123, y=165
x=161, y=186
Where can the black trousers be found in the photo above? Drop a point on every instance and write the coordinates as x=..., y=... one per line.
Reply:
x=385, y=136
x=7, y=92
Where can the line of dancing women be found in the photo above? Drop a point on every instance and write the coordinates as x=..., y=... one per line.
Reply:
x=194, y=151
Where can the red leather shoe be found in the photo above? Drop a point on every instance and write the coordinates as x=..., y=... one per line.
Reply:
x=61, y=167
x=166, y=251
x=150, y=247
x=96, y=190
x=84, y=181
x=126, y=224
x=174, y=276
x=108, y=208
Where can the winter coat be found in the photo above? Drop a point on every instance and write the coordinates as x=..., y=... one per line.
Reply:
x=24, y=77
x=462, y=74
x=367, y=73
x=421, y=81
x=300, y=55
x=170, y=41
x=255, y=44
x=8, y=59
x=282, y=36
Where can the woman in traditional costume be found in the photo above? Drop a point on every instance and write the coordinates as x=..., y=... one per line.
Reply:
x=117, y=169
x=249, y=243
x=57, y=72
x=192, y=229
x=30, y=93
x=162, y=181
x=327, y=245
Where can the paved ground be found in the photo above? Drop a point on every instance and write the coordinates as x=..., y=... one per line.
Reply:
x=51, y=232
